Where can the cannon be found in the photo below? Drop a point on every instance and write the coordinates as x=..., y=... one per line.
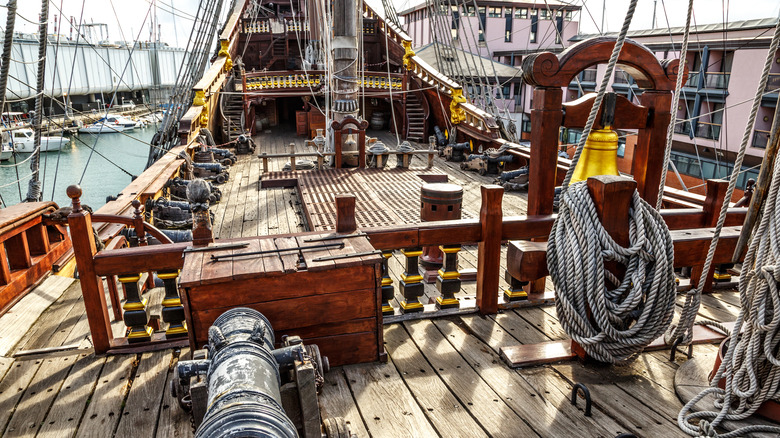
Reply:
x=208, y=171
x=491, y=161
x=245, y=144
x=177, y=236
x=441, y=139
x=456, y=151
x=177, y=190
x=514, y=179
x=224, y=156
x=170, y=215
x=240, y=386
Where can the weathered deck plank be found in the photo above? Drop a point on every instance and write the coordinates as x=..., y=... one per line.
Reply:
x=103, y=413
x=142, y=407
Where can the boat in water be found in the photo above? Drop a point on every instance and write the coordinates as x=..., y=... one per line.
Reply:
x=23, y=141
x=103, y=127
x=124, y=122
x=6, y=150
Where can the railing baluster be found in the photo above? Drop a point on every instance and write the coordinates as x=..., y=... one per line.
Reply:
x=448, y=280
x=172, y=309
x=136, y=317
x=5, y=270
x=388, y=291
x=411, y=283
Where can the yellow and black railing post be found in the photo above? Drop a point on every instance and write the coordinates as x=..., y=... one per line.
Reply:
x=412, y=287
x=388, y=291
x=172, y=309
x=448, y=280
x=135, y=315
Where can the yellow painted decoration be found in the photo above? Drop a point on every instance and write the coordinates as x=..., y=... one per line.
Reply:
x=145, y=333
x=448, y=275
x=721, y=277
x=204, y=116
x=224, y=45
x=451, y=250
x=387, y=281
x=200, y=98
x=136, y=305
x=408, y=54
x=407, y=306
x=129, y=278
x=447, y=301
x=457, y=114
x=411, y=253
x=172, y=302
x=387, y=308
x=411, y=278
x=68, y=270
x=177, y=330
x=599, y=157
x=515, y=294
x=167, y=275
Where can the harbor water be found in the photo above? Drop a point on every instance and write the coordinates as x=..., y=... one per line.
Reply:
x=116, y=156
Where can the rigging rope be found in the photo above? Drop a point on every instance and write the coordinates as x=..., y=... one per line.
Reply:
x=750, y=367
x=611, y=325
x=34, y=185
x=684, y=328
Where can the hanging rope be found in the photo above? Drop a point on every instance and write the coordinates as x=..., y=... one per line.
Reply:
x=684, y=328
x=34, y=185
x=611, y=325
x=640, y=308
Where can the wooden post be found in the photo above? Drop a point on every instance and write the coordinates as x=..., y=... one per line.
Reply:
x=489, y=251
x=713, y=203
x=388, y=291
x=337, y=147
x=84, y=249
x=18, y=251
x=5, y=271
x=136, y=315
x=172, y=309
x=411, y=285
x=546, y=123
x=292, y=156
x=345, y=213
x=646, y=167
x=362, y=148
x=198, y=194
x=265, y=163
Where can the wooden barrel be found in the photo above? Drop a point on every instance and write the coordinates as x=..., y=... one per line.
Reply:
x=438, y=202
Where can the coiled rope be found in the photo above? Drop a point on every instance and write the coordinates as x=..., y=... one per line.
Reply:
x=635, y=312
x=751, y=366
x=611, y=325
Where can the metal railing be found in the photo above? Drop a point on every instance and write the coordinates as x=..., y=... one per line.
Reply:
x=717, y=80
x=708, y=130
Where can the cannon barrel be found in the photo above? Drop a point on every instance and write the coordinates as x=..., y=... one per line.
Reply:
x=243, y=379
x=213, y=167
x=441, y=139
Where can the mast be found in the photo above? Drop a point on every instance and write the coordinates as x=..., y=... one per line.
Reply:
x=345, y=54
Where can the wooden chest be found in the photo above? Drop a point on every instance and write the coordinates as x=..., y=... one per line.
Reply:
x=335, y=304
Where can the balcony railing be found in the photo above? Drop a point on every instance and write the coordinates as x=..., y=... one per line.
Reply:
x=682, y=128
x=717, y=80
x=693, y=79
x=708, y=130
x=760, y=139
x=772, y=83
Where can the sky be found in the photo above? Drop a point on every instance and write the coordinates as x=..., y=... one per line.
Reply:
x=130, y=19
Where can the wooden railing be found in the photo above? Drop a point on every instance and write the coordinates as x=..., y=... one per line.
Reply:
x=314, y=79
x=139, y=334
x=488, y=231
x=29, y=246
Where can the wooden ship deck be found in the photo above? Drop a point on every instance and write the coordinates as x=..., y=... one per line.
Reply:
x=443, y=377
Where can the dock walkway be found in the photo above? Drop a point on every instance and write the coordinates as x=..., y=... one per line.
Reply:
x=443, y=377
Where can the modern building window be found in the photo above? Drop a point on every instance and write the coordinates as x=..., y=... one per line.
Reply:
x=506, y=89
x=482, y=24
x=558, y=28
x=544, y=14
x=534, y=27
x=469, y=11
x=508, y=28
x=455, y=24
x=521, y=13
x=567, y=15
x=494, y=12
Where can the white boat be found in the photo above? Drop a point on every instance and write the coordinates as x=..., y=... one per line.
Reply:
x=23, y=142
x=102, y=128
x=120, y=121
x=6, y=150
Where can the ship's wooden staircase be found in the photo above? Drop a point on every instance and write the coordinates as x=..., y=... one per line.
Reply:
x=233, y=112
x=415, y=118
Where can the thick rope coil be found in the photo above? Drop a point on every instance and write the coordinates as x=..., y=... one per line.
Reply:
x=640, y=307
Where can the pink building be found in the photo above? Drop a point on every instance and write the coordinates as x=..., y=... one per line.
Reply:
x=502, y=31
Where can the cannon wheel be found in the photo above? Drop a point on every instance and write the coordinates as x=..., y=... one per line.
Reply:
x=220, y=179
x=482, y=171
x=226, y=162
x=463, y=166
x=336, y=428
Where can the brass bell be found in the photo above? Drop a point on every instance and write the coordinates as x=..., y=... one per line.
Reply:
x=599, y=155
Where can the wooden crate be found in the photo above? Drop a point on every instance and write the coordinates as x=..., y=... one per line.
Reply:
x=334, y=304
